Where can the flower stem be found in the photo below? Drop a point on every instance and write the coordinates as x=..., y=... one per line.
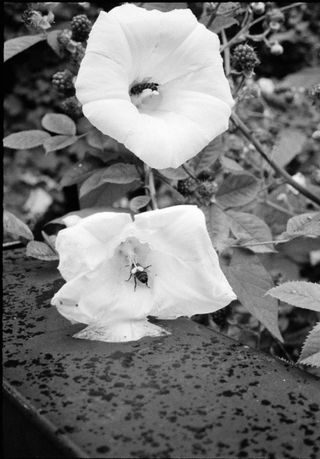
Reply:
x=150, y=186
x=247, y=133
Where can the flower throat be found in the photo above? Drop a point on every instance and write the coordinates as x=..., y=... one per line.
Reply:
x=140, y=87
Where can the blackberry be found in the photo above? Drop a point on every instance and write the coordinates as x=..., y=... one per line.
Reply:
x=220, y=317
x=72, y=108
x=63, y=82
x=187, y=187
x=244, y=58
x=77, y=55
x=80, y=26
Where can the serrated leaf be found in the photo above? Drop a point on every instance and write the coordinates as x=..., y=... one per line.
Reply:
x=107, y=194
x=81, y=171
x=119, y=173
x=230, y=165
x=52, y=40
x=310, y=354
x=24, y=140
x=306, y=225
x=19, y=44
x=58, y=142
x=237, y=190
x=299, y=293
x=250, y=281
x=250, y=229
x=174, y=174
x=218, y=226
x=164, y=6
x=16, y=228
x=208, y=156
x=41, y=251
x=287, y=146
x=59, y=124
x=139, y=202
x=305, y=78
x=222, y=22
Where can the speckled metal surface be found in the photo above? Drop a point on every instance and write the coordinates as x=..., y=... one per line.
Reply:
x=194, y=393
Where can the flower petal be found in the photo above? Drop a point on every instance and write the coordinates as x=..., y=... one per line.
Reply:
x=83, y=246
x=121, y=331
x=188, y=279
x=187, y=288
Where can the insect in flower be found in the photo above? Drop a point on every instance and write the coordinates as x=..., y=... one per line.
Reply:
x=139, y=273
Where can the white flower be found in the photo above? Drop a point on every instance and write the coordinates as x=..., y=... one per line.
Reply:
x=120, y=271
x=154, y=81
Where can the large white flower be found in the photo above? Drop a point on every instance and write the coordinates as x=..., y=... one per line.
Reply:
x=120, y=271
x=154, y=81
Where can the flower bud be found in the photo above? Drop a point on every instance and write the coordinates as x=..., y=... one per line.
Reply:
x=258, y=7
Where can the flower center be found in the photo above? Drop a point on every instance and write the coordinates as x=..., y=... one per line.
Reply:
x=145, y=96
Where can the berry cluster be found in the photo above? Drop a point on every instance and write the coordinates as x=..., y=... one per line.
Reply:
x=187, y=187
x=81, y=27
x=245, y=59
x=63, y=82
x=220, y=317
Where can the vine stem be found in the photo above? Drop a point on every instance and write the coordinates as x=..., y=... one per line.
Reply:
x=256, y=21
x=150, y=186
x=247, y=133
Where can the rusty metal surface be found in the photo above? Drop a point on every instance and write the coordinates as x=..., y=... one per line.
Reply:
x=194, y=393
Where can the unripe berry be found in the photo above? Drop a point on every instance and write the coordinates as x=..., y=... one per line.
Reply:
x=64, y=38
x=80, y=26
x=258, y=7
x=77, y=55
x=274, y=26
x=276, y=16
x=63, y=82
x=276, y=49
x=244, y=58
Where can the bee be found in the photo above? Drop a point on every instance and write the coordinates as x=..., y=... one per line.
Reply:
x=139, y=273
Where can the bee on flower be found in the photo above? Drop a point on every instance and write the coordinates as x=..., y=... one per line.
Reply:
x=119, y=272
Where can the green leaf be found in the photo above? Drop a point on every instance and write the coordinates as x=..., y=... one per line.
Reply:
x=19, y=44
x=305, y=78
x=306, y=225
x=288, y=146
x=24, y=140
x=139, y=202
x=41, y=251
x=250, y=229
x=81, y=171
x=16, y=228
x=310, y=354
x=58, y=142
x=222, y=22
x=59, y=123
x=107, y=194
x=119, y=173
x=52, y=40
x=237, y=190
x=174, y=174
x=298, y=293
x=208, y=156
x=218, y=226
x=230, y=165
x=250, y=281
x=165, y=6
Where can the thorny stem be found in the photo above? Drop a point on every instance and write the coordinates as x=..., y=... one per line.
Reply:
x=212, y=16
x=256, y=21
x=253, y=244
x=149, y=184
x=247, y=133
x=189, y=172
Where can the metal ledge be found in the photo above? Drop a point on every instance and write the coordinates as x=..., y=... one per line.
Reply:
x=194, y=393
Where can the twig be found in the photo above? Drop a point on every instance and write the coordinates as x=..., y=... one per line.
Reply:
x=149, y=185
x=256, y=21
x=226, y=52
x=189, y=172
x=247, y=133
